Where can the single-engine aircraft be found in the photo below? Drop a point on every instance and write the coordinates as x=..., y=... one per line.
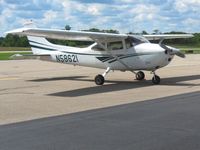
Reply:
x=109, y=51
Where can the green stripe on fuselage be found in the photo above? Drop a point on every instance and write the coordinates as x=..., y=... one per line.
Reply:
x=101, y=57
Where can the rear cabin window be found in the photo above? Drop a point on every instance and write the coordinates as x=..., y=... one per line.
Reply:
x=115, y=45
x=97, y=47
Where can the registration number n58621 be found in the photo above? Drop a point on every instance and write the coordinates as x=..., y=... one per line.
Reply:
x=67, y=58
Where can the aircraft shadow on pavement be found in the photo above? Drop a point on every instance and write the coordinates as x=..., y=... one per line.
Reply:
x=59, y=78
x=112, y=86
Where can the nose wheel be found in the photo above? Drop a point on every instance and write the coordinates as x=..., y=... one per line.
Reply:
x=155, y=79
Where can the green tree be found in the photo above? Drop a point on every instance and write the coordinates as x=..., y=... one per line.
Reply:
x=15, y=41
x=144, y=32
x=156, y=31
x=67, y=27
x=111, y=31
x=1, y=40
x=104, y=31
x=93, y=30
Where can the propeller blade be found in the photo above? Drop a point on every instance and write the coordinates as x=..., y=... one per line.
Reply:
x=173, y=51
x=178, y=53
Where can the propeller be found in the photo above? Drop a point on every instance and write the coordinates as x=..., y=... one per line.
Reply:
x=172, y=51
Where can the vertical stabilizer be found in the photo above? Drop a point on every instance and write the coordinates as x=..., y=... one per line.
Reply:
x=40, y=45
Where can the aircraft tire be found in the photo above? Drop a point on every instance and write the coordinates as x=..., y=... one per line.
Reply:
x=140, y=75
x=156, y=79
x=99, y=80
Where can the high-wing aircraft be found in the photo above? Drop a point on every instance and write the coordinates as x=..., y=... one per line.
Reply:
x=122, y=52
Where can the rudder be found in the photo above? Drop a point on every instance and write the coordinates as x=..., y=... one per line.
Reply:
x=40, y=45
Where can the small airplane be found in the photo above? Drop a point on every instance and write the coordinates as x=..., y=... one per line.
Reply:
x=109, y=51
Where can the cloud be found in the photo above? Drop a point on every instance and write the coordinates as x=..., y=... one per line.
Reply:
x=125, y=1
x=143, y=12
x=49, y=16
x=187, y=5
x=95, y=9
x=123, y=15
x=89, y=8
x=5, y=17
x=191, y=22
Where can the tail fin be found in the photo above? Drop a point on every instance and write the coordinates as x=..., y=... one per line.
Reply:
x=40, y=45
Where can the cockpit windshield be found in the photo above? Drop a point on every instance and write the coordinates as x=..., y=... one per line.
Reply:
x=132, y=41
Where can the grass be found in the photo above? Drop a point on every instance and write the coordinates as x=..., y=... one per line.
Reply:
x=193, y=49
x=187, y=47
x=7, y=55
x=15, y=48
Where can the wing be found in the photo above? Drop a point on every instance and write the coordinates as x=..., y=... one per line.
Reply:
x=69, y=35
x=167, y=36
x=88, y=36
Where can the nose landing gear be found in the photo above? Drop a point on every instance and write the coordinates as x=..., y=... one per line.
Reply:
x=140, y=76
x=156, y=78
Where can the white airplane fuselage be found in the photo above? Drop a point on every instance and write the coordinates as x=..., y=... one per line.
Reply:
x=145, y=56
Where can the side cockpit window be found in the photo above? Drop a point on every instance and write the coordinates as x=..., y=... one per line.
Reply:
x=128, y=43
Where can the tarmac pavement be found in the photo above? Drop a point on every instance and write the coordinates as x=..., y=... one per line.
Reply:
x=32, y=89
x=169, y=123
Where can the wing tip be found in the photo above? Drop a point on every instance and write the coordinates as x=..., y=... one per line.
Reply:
x=17, y=31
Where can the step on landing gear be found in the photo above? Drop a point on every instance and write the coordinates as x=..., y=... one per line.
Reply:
x=99, y=79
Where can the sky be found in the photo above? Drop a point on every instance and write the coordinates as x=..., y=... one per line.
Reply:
x=122, y=15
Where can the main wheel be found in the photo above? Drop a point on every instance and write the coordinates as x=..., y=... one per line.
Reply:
x=99, y=80
x=156, y=79
x=140, y=75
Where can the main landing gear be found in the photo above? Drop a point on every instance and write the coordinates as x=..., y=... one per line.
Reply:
x=99, y=79
x=140, y=75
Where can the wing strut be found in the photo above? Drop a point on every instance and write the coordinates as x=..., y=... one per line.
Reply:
x=119, y=60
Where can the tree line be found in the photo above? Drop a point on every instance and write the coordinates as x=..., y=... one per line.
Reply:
x=16, y=41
